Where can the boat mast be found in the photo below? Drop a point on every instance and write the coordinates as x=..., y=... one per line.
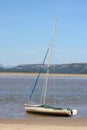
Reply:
x=49, y=59
x=49, y=49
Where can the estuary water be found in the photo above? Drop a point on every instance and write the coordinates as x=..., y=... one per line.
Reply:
x=70, y=92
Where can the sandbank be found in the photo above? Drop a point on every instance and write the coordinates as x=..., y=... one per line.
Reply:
x=44, y=124
x=35, y=74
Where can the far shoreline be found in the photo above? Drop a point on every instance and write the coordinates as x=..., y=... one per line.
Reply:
x=43, y=74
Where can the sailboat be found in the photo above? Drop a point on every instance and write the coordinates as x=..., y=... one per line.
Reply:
x=43, y=108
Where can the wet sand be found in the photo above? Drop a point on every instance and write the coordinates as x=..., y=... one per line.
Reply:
x=44, y=124
x=48, y=123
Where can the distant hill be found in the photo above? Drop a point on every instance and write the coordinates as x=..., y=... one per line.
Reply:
x=75, y=68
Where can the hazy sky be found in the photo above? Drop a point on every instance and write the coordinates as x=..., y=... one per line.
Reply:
x=26, y=28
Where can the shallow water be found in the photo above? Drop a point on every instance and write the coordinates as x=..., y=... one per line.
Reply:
x=61, y=92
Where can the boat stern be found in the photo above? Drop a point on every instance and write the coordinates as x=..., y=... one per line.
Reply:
x=74, y=112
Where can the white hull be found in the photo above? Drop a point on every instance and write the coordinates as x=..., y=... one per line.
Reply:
x=49, y=111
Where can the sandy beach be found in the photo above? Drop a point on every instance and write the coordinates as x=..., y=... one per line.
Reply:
x=46, y=124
